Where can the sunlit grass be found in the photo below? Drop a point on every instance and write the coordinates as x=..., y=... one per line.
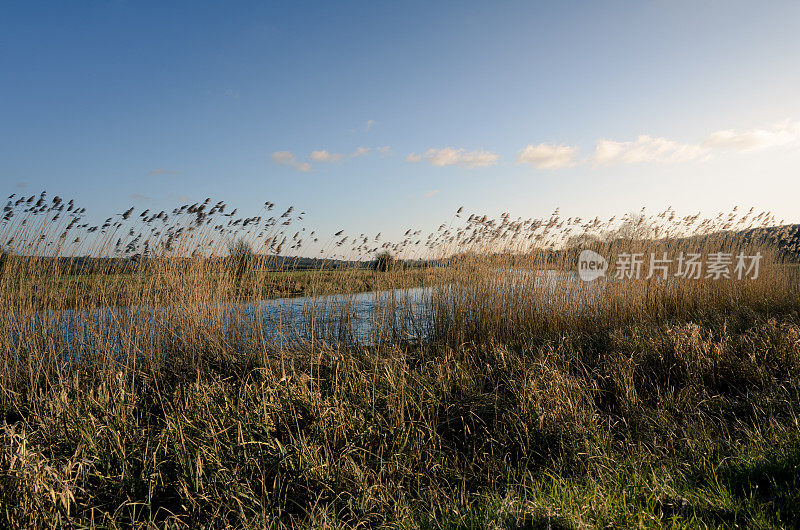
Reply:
x=526, y=402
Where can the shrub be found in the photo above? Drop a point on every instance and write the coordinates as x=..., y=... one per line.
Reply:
x=241, y=258
x=384, y=262
x=4, y=256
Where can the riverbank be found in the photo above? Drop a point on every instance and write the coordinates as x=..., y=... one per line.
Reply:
x=69, y=291
x=688, y=422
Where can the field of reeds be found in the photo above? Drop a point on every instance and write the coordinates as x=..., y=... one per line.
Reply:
x=156, y=372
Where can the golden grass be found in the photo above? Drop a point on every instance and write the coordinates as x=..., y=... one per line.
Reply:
x=523, y=394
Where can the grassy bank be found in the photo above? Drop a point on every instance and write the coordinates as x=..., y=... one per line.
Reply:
x=684, y=422
x=70, y=291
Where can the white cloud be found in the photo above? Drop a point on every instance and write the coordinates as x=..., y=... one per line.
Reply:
x=431, y=194
x=449, y=156
x=780, y=134
x=645, y=149
x=547, y=156
x=287, y=158
x=648, y=149
x=325, y=156
x=283, y=157
x=369, y=124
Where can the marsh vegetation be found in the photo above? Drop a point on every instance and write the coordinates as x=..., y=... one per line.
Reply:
x=532, y=399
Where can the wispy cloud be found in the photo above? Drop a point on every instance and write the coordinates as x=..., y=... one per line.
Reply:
x=139, y=197
x=361, y=151
x=325, y=156
x=648, y=149
x=369, y=124
x=645, y=149
x=284, y=157
x=449, y=156
x=548, y=156
x=431, y=193
x=287, y=158
x=232, y=93
x=780, y=134
x=320, y=156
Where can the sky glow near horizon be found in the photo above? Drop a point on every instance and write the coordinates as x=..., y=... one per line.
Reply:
x=380, y=117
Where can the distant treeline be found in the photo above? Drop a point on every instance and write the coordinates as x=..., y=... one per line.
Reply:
x=122, y=265
x=786, y=240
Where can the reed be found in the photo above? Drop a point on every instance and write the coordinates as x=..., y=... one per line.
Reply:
x=145, y=382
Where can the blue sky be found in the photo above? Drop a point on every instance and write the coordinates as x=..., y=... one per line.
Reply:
x=381, y=116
